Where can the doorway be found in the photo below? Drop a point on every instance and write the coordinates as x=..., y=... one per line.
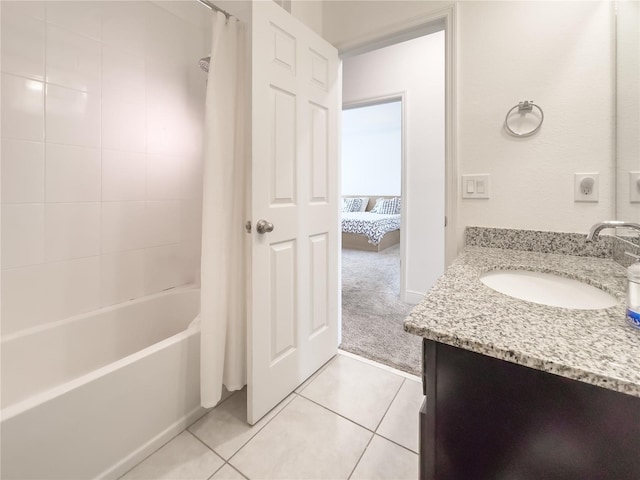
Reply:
x=409, y=75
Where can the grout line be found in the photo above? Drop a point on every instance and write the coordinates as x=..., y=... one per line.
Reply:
x=336, y=413
x=315, y=375
x=45, y=157
x=362, y=426
x=390, y=403
x=396, y=443
x=175, y=436
x=242, y=474
x=360, y=457
x=293, y=394
x=210, y=477
x=233, y=394
x=230, y=466
x=208, y=447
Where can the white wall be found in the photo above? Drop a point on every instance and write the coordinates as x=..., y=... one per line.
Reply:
x=347, y=23
x=308, y=12
x=564, y=65
x=415, y=68
x=558, y=54
x=372, y=150
x=628, y=106
x=102, y=110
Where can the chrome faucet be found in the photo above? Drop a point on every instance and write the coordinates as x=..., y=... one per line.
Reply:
x=598, y=227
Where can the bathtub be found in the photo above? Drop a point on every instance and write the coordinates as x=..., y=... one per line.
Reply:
x=91, y=396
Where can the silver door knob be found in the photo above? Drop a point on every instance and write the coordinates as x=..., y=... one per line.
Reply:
x=264, y=227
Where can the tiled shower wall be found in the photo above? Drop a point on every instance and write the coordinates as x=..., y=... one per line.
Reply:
x=102, y=120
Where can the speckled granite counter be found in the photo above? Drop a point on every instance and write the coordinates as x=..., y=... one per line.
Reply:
x=592, y=346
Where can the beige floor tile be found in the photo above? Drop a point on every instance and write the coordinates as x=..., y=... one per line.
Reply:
x=354, y=389
x=183, y=458
x=225, y=428
x=400, y=424
x=304, y=441
x=304, y=384
x=384, y=460
x=228, y=473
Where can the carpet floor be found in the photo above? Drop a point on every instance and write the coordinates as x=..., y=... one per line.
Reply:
x=372, y=313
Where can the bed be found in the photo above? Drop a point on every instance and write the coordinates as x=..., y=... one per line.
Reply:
x=364, y=230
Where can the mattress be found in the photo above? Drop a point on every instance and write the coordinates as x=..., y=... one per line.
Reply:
x=372, y=225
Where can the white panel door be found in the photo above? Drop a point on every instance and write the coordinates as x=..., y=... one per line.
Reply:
x=293, y=316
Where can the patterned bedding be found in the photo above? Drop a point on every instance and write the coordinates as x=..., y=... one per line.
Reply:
x=373, y=225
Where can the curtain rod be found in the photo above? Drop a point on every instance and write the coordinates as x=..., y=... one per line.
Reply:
x=210, y=5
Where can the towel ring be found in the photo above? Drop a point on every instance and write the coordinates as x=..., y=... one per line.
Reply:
x=526, y=106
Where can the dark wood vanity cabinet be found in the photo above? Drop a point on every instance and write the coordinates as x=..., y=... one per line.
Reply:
x=485, y=418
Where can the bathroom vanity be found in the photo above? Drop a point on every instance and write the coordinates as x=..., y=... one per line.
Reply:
x=521, y=390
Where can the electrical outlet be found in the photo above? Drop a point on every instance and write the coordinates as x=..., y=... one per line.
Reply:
x=475, y=186
x=634, y=187
x=586, y=187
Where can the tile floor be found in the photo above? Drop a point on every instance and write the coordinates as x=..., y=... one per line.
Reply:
x=351, y=420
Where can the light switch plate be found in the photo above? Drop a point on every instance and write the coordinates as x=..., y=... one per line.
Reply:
x=586, y=187
x=475, y=186
x=634, y=187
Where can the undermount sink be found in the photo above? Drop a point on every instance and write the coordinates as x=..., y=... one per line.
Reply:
x=548, y=289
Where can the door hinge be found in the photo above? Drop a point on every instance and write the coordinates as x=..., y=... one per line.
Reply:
x=445, y=221
x=247, y=226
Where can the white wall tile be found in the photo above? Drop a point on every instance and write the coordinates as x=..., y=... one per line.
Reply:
x=191, y=219
x=163, y=177
x=192, y=12
x=73, y=117
x=73, y=61
x=164, y=36
x=22, y=108
x=102, y=103
x=48, y=292
x=20, y=7
x=72, y=230
x=162, y=223
x=171, y=118
x=123, y=176
x=190, y=259
x=123, y=25
x=123, y=226
x=73, y=174
x=191, y=173
x=22, y=171
x=162, y=268
x=22, y=235
x=21, y=287
x=22, y=44
x=159, y=130
x=121, y=277
x=84, y=18
x=123, y=75
x=123, y=124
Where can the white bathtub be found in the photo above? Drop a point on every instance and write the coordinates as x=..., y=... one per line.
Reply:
x=92, y=395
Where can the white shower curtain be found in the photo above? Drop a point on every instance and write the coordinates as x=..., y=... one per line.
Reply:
x=222, y=298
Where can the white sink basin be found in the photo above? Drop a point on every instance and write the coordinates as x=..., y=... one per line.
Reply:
x=548, y=289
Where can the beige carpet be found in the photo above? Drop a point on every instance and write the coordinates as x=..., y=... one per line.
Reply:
x=372, y=313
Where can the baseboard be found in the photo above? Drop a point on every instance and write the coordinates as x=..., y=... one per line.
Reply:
x=152, y=445
x=412, y=297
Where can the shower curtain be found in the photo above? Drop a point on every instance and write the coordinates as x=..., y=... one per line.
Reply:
x=222, y=298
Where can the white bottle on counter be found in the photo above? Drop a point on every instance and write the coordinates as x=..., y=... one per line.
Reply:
x=633, y=295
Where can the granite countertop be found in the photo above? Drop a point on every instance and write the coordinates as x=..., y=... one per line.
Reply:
x=593, y=346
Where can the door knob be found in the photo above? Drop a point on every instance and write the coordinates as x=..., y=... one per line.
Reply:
x=264, y=227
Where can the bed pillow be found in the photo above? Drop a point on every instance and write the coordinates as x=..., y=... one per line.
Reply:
x=387, y=206
x=351, y=204
x=365, y=202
